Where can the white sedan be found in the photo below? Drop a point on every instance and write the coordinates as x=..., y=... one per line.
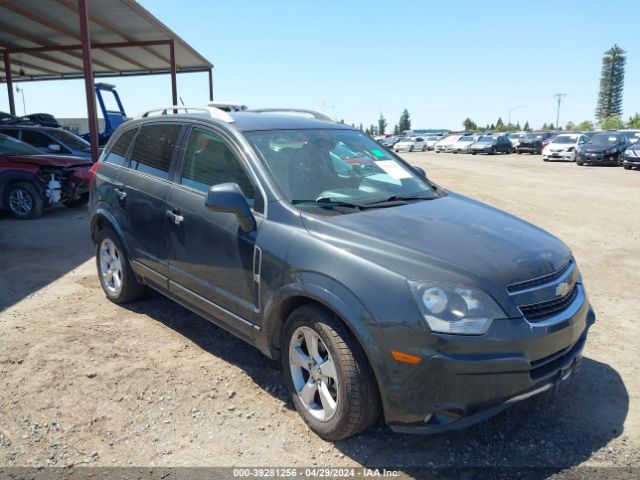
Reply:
x=446, y=144
x=563, y=147
x=410, y=144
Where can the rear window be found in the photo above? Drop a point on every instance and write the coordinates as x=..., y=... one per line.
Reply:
x=153, y=149
x=118, y=153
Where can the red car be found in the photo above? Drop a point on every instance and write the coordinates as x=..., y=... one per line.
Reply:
x=31, y=181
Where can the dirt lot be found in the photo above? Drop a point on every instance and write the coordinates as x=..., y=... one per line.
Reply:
x=86, y=382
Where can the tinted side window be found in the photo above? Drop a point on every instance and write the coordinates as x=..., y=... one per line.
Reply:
x=209, y=161
x=118, y=152
x=11, y=132
x=37, y=139
x=153, y=149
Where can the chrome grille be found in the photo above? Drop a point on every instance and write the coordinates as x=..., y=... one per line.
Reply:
x=543, y=310
x=546, y=297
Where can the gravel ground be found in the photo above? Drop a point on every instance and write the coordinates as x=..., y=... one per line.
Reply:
x=84, y=382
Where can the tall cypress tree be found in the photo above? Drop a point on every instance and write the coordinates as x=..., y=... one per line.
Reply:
x=405, y=121
x=382, y=124
x=611, y=83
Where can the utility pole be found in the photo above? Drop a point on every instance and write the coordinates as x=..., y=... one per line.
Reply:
x=559, y=97
x=511, y=110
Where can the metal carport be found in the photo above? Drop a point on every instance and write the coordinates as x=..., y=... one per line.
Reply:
x=70, y=39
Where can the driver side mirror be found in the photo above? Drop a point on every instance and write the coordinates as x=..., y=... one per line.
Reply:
x=54, y=147
x=228, y=198
x=420, y=170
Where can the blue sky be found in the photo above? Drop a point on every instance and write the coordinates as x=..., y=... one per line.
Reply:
x=443, y=61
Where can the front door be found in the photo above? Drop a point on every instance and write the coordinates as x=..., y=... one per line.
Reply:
x=211, y=259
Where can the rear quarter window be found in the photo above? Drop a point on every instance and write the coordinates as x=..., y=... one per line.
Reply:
x=118, y=153
x=153, y=149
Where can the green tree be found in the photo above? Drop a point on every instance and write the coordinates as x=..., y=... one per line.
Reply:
x=612, y=123
x=499, y=123
x=405, y=121
x=585, y=126
x=527, y=128
x=570, y=126
x=518, y=128
x=551, y=127
x=382, y=124
x=396, y=130
x=634, y=122
x=545, y=126
x=469, y=125
x=492, y=127
x=361, y=127
x=611, y=83
x=373, y=130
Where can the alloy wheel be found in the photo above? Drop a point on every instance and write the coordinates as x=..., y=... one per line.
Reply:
x=111, y=266
x=314, y=374
x=20, y=202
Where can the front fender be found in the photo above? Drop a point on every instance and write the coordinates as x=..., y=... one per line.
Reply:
x=309, y=286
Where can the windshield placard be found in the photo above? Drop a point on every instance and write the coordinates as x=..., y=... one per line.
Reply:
x=393, y=169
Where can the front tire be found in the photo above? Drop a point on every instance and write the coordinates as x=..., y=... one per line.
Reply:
x=24, y=201
x=627, y=167
x=117, y=279
x=331, y=383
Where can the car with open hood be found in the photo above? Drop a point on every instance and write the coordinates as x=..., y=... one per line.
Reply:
x=31, y=181
x=603, y=148
x=378, y=290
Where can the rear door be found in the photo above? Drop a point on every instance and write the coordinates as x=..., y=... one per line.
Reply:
x=142, y=197
x=212, y=261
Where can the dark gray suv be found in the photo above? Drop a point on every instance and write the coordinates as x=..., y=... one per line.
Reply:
x=378, y=290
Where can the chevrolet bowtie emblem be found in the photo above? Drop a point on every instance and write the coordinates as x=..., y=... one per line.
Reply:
x=562, y=289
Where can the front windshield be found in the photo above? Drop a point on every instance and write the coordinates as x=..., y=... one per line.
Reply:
x=485, y=139
x=565, y=139
x=10, y=146
x=73, y=141
x=467, y=139
x=314, y=170
x=407, y=139
x=605, y=138
x=515, y=136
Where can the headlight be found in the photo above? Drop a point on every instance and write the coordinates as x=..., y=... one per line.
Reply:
x=456, y=309
x=613, y=150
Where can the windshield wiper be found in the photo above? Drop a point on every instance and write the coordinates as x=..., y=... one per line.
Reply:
x=399, y=199
x=326, y=202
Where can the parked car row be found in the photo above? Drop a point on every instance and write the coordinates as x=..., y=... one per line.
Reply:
x=621, y=147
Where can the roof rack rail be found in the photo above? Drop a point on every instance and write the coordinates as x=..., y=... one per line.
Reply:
x=314, y=114
x=212, y=112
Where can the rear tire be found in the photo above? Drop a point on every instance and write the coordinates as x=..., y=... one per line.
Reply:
x=117, y=279
x=343, y=400
x=24, y=201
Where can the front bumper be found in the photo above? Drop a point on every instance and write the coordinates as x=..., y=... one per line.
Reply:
x=608, y=158
x=559, y=156
x=513, y=361
x=529, y=148
x=631, y=161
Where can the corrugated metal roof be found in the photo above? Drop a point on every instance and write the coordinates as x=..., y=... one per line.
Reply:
x=31, y=24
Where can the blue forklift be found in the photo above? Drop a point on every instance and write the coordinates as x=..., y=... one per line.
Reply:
x=112, y=111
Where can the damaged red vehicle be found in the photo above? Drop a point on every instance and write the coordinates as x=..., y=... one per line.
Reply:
x=31, y=181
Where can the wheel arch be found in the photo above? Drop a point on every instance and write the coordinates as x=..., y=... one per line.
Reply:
x=8, y=178
x=101, y=219
x=329, y=294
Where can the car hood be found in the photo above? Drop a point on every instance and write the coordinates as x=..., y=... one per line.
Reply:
x=51, y=160
x=598, y=147
x=449, y=239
